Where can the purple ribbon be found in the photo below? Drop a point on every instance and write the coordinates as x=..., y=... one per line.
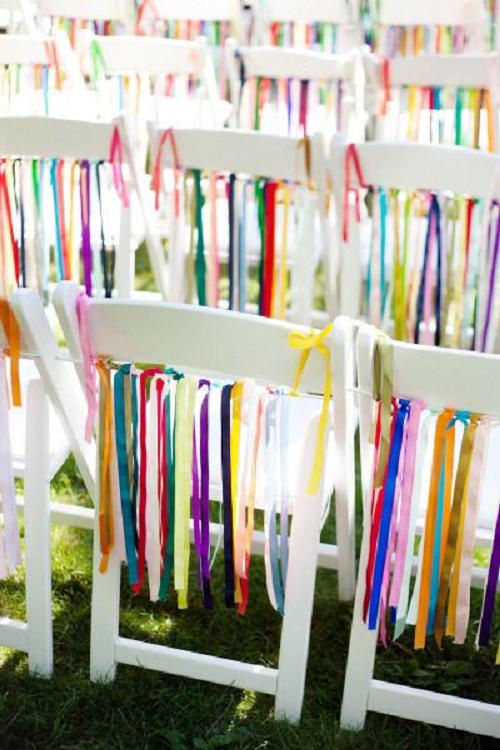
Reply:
x=86, y=248
x=491, y=586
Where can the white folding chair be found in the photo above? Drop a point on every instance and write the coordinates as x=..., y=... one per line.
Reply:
x=403, y=166
x=155, y=58
x=294, y=65
x=440, y=378
x=444, y=71
x=47, y=137
x=127, y=331
x=470, y=15
x=260, y=155
x=29, y=51
x=331, y=556
x=34, y=635
x=298, y=14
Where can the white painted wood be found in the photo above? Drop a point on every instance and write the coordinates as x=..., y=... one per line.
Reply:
x=196, y=666
x=403, y=166
x=210, y=341
x=435, y=708
x=408, y=166
x=283, y=62
x=22, y=16
x=96, y=10
x=445, y=70
x=362, y=643
x=439, y=377
x=105, y=606
x=241, y=151
x=299, y=591
x=50, y=137
x=344, y=427
x=158, y=56
x=59, y=378
x=199, y=10
x=66, y=514
x=313, y=11
x=37, y=533
x=424, y=13
x=13, y=634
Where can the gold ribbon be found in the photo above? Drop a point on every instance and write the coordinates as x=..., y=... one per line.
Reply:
x=382, y=391
x=306, y=343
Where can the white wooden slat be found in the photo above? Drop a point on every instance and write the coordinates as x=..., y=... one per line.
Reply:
x=276, y=62
x=197, y=666
x=422, y=13
x=198, y=10
x=37, y=533
x=23, y=49
x=247, y=152
x=97, y=10
x=132, y=331
x=410, y=166
x=465, y=70
x=141, y=54
x=312, y=11
x=434, y=708
x=48, y=137
x=13, y=634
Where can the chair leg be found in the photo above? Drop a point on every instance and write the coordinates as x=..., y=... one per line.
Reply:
x=299, y=599
x=361, y=657
x=105, y=613
x=37, y=533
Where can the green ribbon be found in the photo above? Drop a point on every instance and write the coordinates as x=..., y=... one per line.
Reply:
x=199, y=263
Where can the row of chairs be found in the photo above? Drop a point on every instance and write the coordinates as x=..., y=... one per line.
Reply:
x=400, y=166
x=127, y=331
x=470, y=14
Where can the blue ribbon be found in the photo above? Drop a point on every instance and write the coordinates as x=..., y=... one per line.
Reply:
x=385, y=522
x=128, y=516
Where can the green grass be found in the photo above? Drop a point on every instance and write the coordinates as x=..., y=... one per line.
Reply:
x=143, y=709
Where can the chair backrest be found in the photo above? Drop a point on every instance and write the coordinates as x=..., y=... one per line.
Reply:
x=451, y=72
x=53, y=138
x=403, y=166
x=424, y=13
x=298, y=15
x=188, y=60
x=121, y=11
x=254, y=154
x=289, y=64
x=199, y=10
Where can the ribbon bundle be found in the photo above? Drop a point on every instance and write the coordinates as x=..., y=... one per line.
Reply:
x=450, y=477
x=321, y=36
x=432, y=270
x=254, y=221
x=166, y=438
x=57, y=212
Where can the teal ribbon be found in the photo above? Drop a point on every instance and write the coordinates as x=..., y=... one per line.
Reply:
x=128, y=514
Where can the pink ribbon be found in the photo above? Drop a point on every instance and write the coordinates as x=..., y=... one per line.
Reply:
x=116, y=160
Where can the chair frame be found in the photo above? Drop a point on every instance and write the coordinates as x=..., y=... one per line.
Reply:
x=405, y=166
x=440, y=377
x=34, y=635
x=193, y=333
x=255, y=153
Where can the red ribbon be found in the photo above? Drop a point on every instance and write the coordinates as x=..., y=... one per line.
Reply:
x=386, y=85
x=5, y=191
x=351, y=158
x=167, y=134
x=269, y=248
x=116, y=159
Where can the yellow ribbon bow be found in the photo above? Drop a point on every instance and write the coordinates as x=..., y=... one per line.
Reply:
x=305, y=343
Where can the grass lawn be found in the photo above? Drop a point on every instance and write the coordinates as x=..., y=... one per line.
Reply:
x=143, y=710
